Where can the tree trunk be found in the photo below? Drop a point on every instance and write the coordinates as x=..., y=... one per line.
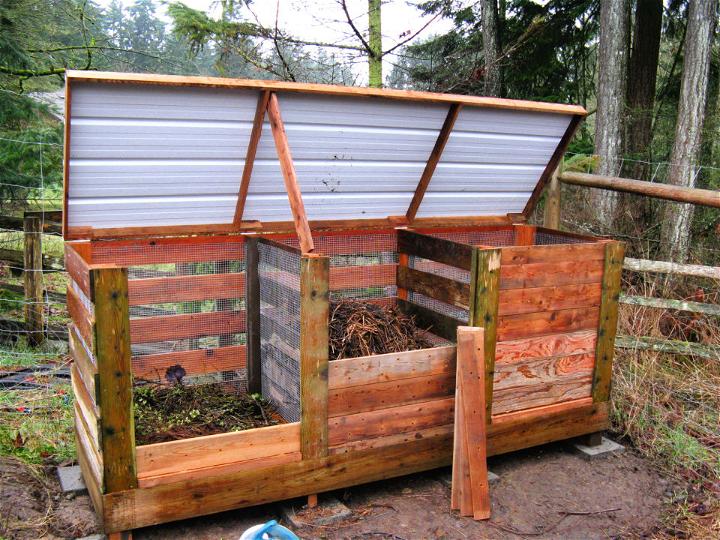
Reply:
x=375, y=78
x=610, y=98
x=491, y=48
x=675, y=229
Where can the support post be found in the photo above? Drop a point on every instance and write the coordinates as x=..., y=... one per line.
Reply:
x=314, y=352
x=551, y=219
x=252, y=305
x=484, y=302
x=34, y=313
x=109, y=287
x=607, y=328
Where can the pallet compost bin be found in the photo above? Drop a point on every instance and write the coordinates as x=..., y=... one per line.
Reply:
x=209, y=224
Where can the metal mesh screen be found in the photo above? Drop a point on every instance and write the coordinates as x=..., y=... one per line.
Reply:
x=544, y=238
x=279, y=279
x=499, y=237
x=187, y=308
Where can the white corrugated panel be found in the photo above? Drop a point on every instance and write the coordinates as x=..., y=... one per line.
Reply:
x=159, y=155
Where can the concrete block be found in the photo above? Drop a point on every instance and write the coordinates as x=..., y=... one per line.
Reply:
x=328, y=511
x=605, y=448
x=71, y=480
x=445, y=478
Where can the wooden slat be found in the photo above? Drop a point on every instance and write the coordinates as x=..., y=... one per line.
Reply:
x=546, y=346
x=357, y=277
x=524, y=235
x=383, y=422
x=427, y=319
x=391, y=367
x=608, y=318
x=515, y=255
x=527, y=325
x=250, y=155
x=180, y=500
x=83, y=359
x=112, y=343
x=93, y=483
x=516, y=301
x=216, y=450
x=386, y=394
x=302, y=228
x=194, y=362
x=314, y=353
x=433, y=160
x=406, y=438
x=89, y=443
x=77, y=267
x=433, y=286
x=189, y=325
x=166, y=290
x=81, y=317
x=435, y=249
x=87, y=407
x=484, y=299
x=323, y=89
x=550, y=274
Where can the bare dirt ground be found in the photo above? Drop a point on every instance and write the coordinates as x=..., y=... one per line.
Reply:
x=546, y=492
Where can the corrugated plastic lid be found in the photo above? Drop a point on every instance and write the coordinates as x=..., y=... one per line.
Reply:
x=150, y=154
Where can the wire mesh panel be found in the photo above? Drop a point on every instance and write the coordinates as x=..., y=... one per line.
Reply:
x=279, y=280
x=187, y=308
x=489, y=236
x=545, y=238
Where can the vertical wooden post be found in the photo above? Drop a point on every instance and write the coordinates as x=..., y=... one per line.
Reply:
x=314, y=352
x=33, y=277
x=403, y=262
x=607, y=328
x=109, y=287
x=252, y=307
x=484, y=301
x=551, y=218
x=524, y=235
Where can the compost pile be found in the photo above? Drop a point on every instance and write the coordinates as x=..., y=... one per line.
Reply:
x=180, y=411
x=363, y=329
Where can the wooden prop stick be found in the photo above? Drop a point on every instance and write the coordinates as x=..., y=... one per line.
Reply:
x=250, y=155
x=288, y=169
x=472, y=493
x=433, y=160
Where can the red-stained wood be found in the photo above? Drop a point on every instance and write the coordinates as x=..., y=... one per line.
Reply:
x=84, y=361
x=526, y=325
x=554, y=274
x=166, y=290
x=83, y=319
x=194, y=362
x=302, y=228
x=250, y=155
x=170, y=327
x=433, y=160
x=515, y=255
x=524, y=235
x=77, y=266
x=546, y=346
x=356, y=277
x=516, y=301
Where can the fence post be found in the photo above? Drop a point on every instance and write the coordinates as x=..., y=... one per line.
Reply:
x=484, y=302
x=109, y=287
x=252, y=306
x=34, y=312
x=314, y=353
x=551, y=218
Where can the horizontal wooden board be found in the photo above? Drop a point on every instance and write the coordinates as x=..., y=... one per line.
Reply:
x=391, y=367
x=545, y=381
x=194, y=249
x=514, y=255
x=217, y=450
x=142, y=507
x=546, y=346
x=435, y=249
x=427, y=319
x=434, y=286
x=84, y=361
x=92, y=481
x=169, y=327
x=525, y=325
x=555, y=274
x=515, y=301
x=84, y=320
x=166, y=290
x=86, y=406
x=89, y=443
x=353, y=427
x=194, y=362
x=390, y=440
x=358, y=277
x=77, y=267
x=383, y=395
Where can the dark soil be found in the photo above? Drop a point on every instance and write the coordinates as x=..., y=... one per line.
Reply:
x=362, y=329
x=179, y=411
x=32, y=506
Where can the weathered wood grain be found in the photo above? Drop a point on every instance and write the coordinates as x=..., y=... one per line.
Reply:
x=166, y=290
x=526, y=325
x=516, y=301
x=84, y=320
x=194, y=362
x=77, y=267
x=545, y=346
x=433, y=286
x=525, y=276
x=188, y=325
x=435, y=249
x=514, y=255
x=84, y=361
x=433, y=321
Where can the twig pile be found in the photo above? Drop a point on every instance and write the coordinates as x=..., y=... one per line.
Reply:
x=363, y=329
x=179, y=411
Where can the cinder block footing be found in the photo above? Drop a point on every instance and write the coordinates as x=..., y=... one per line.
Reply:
x=328, y=511
x=71, y=480
x=605, y=448
x=445, y=478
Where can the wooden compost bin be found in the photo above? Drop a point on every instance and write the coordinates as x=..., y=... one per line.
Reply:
x=254, y=272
